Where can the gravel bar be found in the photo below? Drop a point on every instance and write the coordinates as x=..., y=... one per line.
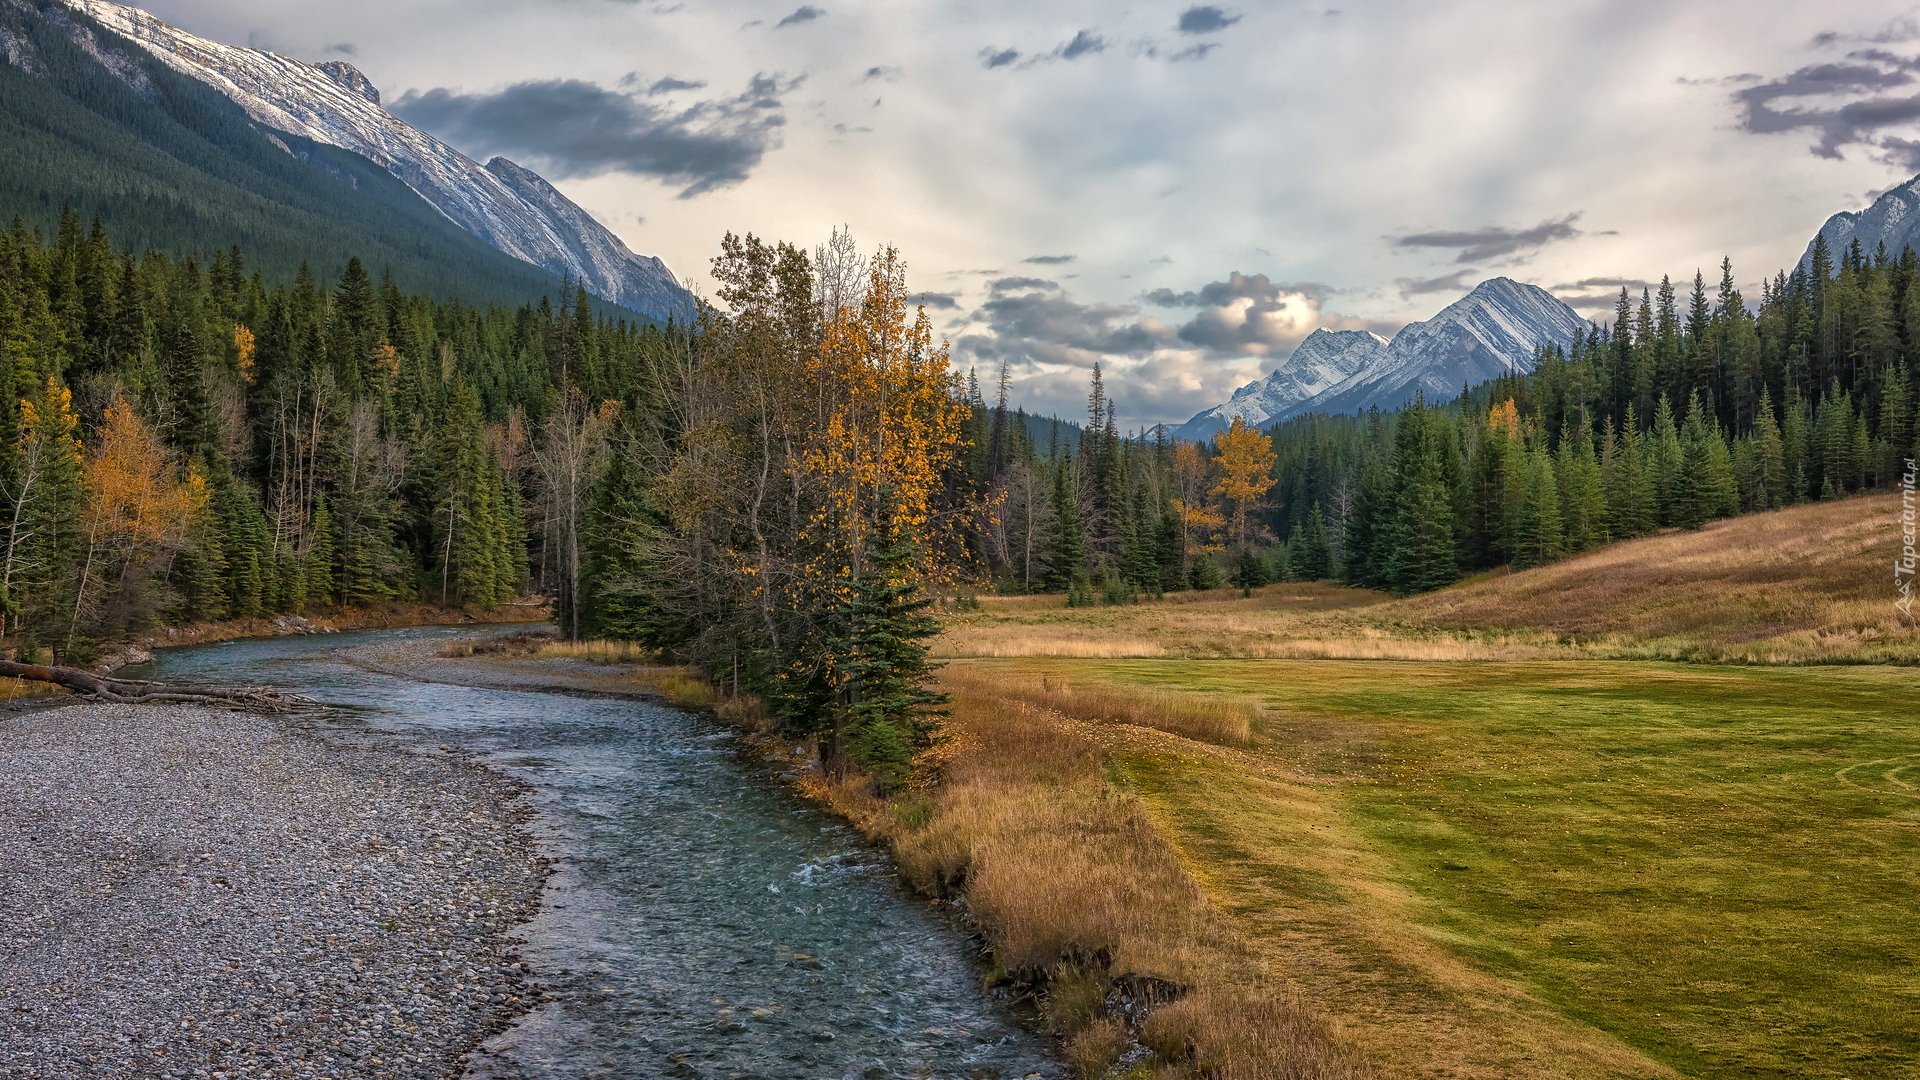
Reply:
x=188, y=892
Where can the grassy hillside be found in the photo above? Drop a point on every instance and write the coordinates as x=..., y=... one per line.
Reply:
x=1809, y=584
x=1495, y=833
x=182, y=169
x=1565, y=869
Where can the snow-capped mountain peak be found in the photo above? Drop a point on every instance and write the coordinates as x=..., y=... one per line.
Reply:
x=1325, y=360
x=1493, y=330
x=1893, y=220
x=334, y=103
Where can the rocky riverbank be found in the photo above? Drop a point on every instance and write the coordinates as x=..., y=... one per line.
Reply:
x=199, y=894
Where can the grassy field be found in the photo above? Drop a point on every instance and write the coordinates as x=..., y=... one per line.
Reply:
x=1651, y=812
x=1812, y=584
x=1497, y=831
x=1565, y=869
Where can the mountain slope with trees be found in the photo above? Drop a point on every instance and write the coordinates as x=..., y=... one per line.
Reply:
x=169, y=164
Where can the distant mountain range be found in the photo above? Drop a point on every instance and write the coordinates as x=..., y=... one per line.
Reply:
x=94, y=110
x=1493, y=330
x=1893, y=220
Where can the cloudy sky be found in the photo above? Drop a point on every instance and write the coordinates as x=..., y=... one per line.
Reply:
x=1181, y=191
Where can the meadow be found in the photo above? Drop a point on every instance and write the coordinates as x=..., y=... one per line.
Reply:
x=1810, y=584
x=1553, y=869
x=1648, y=812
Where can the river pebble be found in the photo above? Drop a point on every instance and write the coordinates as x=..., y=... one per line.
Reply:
x=190, y=893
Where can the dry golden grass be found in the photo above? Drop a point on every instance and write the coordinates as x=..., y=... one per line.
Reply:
x=1811, y=584
x=600, y=652
x=1216, y=718
x=1076, y=887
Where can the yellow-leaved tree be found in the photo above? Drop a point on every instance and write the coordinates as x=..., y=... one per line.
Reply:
x=139, y=511
x=1245, y=460
x=1198, y=516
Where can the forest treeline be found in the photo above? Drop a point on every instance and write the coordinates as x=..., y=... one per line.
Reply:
x=1678, y=412
x=194, y=443
x=774, y=493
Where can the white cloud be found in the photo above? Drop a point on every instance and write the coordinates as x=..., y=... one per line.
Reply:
x=1316, y=139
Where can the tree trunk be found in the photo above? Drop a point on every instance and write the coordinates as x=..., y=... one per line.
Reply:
x=141, y=692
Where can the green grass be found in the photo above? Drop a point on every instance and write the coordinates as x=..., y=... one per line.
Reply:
x=1716, y=865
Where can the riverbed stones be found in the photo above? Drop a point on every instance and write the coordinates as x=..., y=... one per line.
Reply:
x=193, y=893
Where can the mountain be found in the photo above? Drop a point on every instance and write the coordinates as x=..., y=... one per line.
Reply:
x=168, y=164
x=333, y=104
x=1493, y=330
x=1326, y=360
x=1893, y=220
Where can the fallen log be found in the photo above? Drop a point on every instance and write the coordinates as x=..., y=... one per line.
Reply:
x=145, y=692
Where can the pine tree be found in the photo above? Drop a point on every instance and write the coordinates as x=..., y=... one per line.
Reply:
x=319, y=563
x=1537, y=533
x=1065, y=556
x=1171, y=551
x=1422, y=550
x=472, y=529
x=622, y=525
x=1796, y=438
x=1667, y=463
x=1770, y=488
x=891, y=712
x=1630, y=486
x=1583, y=496
x=1311, y=558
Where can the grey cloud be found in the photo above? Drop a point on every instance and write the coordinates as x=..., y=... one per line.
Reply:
x=803, y=14
x=1899, y=30
x=1599, y=293
x=670, y=84
x=576, y=128
x=1273, y=318
x=1197, y=52
x=1803, y=100
x=346, y=47
x=1604, y=283
x=1032, y=319
x=1238, y=286
x=1904, y=153
x=1454, y=282
x=1050, y=260
x=1083, y=43
x=1206, y=19
x=937, y=301
x=1494, y=242
x=885, y=74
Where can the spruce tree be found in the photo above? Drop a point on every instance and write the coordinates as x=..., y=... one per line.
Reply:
x=1310, y=558
x=1667, y=463
x=1171, y=551
x=1065, y=555
x=1537, y=535
x=319, y=563
x=1770, y=488
x=891, y=713
x=1583, y=497
x=472, y=538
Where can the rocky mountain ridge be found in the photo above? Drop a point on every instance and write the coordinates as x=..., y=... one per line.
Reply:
x=503, y=204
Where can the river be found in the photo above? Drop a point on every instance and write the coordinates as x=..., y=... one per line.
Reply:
x=703, y=922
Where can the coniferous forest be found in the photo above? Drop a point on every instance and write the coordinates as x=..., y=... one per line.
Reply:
x=771, y=494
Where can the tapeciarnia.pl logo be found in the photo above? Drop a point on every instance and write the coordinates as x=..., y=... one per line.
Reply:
x=1903, y=567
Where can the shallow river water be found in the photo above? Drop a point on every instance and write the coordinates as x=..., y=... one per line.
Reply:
x=705, y=922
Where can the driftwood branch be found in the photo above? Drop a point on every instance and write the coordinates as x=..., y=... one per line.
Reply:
x=143, y=692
